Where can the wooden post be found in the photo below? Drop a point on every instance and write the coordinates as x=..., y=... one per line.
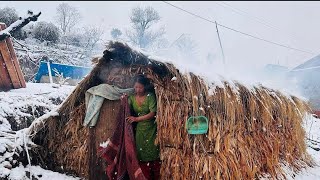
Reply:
x=49, y=71
x=10, y=72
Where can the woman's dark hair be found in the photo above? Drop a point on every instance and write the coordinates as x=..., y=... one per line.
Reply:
x=142, y=80
x=145, y=82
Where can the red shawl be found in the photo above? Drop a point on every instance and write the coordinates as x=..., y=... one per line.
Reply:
x=120, y=154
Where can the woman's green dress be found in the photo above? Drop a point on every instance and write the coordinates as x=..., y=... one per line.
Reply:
x=146, y=131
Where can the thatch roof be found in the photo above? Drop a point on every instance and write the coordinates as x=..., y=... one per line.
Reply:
x=251, y=131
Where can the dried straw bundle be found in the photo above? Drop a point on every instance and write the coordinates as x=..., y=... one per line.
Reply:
x=250, y=131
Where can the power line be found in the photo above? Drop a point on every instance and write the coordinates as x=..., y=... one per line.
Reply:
x=285, y=46
x=226, y=27
x=189, y=12
x=241, y=12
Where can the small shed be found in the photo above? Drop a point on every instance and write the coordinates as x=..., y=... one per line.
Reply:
x=72, y=74
x=307, y=77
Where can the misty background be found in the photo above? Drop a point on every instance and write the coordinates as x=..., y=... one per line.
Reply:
x=193, y=45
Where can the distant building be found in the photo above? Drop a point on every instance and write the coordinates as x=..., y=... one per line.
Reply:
x=308, y=79
x=274, y=71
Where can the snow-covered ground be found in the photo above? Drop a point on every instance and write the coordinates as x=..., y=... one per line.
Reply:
x=37, y=99
x=19, y=107
x=19, y=173
x=22, y=106
x=312, y=127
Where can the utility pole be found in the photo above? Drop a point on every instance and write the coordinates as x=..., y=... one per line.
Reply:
x=223, y=57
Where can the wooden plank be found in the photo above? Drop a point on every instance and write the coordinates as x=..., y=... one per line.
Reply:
x=5, y=82
x=16, y=63
x=9, y=65
x=8, y=62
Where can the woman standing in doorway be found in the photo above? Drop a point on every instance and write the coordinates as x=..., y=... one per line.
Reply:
x=143, y=105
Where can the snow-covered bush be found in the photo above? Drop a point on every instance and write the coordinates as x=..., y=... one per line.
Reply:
x=46, y=32
x=8, y=15
x=72, y=39
x=29, y=29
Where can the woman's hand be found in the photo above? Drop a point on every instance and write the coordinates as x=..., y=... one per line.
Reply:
x=124, y=96
x=131, y=119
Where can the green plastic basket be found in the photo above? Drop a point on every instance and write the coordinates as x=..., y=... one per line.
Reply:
x=197, y=125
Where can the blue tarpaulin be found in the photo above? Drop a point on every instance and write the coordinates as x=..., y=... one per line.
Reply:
x=74, y=72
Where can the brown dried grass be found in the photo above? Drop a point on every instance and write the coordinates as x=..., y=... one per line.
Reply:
x=251, y=131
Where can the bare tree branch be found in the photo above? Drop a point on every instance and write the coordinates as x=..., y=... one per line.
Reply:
x=18, y=25
x=67, y=17
x=91, y=36
x=142, y=20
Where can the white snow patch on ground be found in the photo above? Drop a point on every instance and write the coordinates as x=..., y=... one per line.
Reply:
x=16, y=103
x=19, y=173
x=13, y=103
x=312, y=128
x=310, y=173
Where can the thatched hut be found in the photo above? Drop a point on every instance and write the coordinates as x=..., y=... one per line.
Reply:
x=251, y=131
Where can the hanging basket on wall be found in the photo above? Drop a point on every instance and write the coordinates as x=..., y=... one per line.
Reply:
x=197, y=125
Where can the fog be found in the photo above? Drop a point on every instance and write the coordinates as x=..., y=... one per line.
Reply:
x=289, y=23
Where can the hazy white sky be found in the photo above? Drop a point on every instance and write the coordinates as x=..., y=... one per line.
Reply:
x=297, y=24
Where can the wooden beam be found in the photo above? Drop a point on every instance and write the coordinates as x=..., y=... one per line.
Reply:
x=16, y=63
x=5, y=82
x=11, y=66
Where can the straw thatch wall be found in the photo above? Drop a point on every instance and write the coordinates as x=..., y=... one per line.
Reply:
x=251, y=131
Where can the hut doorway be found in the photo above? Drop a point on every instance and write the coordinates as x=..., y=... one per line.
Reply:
x=106, y=126
x=107, y=122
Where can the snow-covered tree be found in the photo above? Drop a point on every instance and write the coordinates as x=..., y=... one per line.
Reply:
x=67, y=17
x=142, y=19
x=45, y=31
x=90, y=38
x=115, y=33
x=72, y=39
x=159, y=45
x=185, y=44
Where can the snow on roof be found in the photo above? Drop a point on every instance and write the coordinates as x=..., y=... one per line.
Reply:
x=313, y=63
x=212, y=78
